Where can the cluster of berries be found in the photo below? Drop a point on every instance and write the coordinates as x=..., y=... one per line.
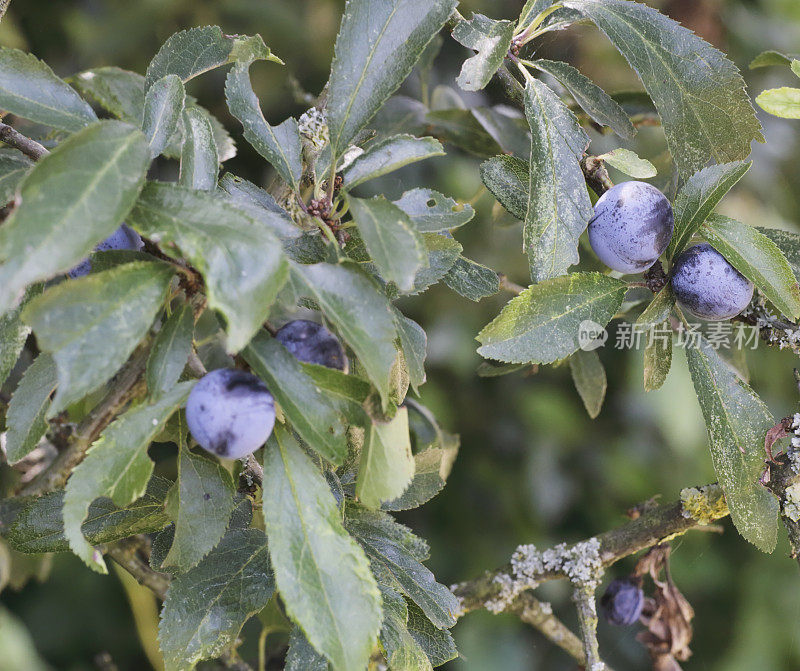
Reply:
x=231, y=412
x=632, y=227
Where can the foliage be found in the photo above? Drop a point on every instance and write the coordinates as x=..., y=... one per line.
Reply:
x=226, y=259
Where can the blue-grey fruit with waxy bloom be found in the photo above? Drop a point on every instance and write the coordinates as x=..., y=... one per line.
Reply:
x=230, y=413
x=707, y=286
x=622, y=602
x=123, y=238
x=631, y=227
x=310, y=342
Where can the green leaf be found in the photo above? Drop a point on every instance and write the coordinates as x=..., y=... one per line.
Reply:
x=170, y=351
x=200, y=503
x=491, y=40
x=315, y=416
x=13, y=168
x=429, y=479
x=92, y=325
x=507, y=127
x=443, y=252
x=758, y=259
x=116, y=466
x=558, y=208
x=65, y=212
x=770, y=57
x=795, y=66
x=395, y=551
x=390, y=238
x=788, y=243
x=433, y=212
x=248, y=195
x=241, y=261
x=737, y=420
x=387, y=465
x=189, y=53
x=359, y=311
x=698, y=198
x=657, y=355
x=163, y=107
x=120, y=92
x=783, y=102
x=25, y=420
x=507, y=178
x=438, y=644
x=379, y=42
x=13, y=334
x=541, y=324
x=629, y=163
x=601, y=107
x=659, y=309
x=199, y=160
x=322, y=574
x=589, y=376
x=387, y=156
x=403, y=653
x=280, y=145
x=472, y=280
x=413, y=343
x=261, y=206
x=531, y=10
x=39, y=527
x=302, y=656
x=698, y=92
x=207, y=606
x=462, y=128
x=29, y=89
x=19, y=648
x=338, y=383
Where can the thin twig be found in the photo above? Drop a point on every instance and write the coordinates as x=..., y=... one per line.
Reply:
x=128, y=385
x=583, y=597
x=130, y=554
x=13, y=138
x=540, y=616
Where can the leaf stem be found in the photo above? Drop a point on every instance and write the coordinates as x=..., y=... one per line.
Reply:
x=508, y=285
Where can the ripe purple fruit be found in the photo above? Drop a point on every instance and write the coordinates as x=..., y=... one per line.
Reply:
x=123, y=238
x=623, y=602
x=709, y=287
x=312, y=343
x=230, y=413
x=631, y=227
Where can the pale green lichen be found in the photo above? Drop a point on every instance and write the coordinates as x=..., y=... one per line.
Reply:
x=791, y=505
x=580, y=563
x=704, y=504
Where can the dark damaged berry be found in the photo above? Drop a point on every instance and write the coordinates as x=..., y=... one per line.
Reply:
x=310, y=342
x=631, y=227
x=230, y=413
x=623, y=602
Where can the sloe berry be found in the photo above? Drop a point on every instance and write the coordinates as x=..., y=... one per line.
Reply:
x=631, y=227
x=123, y=238
x=709, y=287
x=623, y=602
x=312, y=343
x=230, y=413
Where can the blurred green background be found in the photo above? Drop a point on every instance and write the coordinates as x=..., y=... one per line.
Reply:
x=532, y=468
